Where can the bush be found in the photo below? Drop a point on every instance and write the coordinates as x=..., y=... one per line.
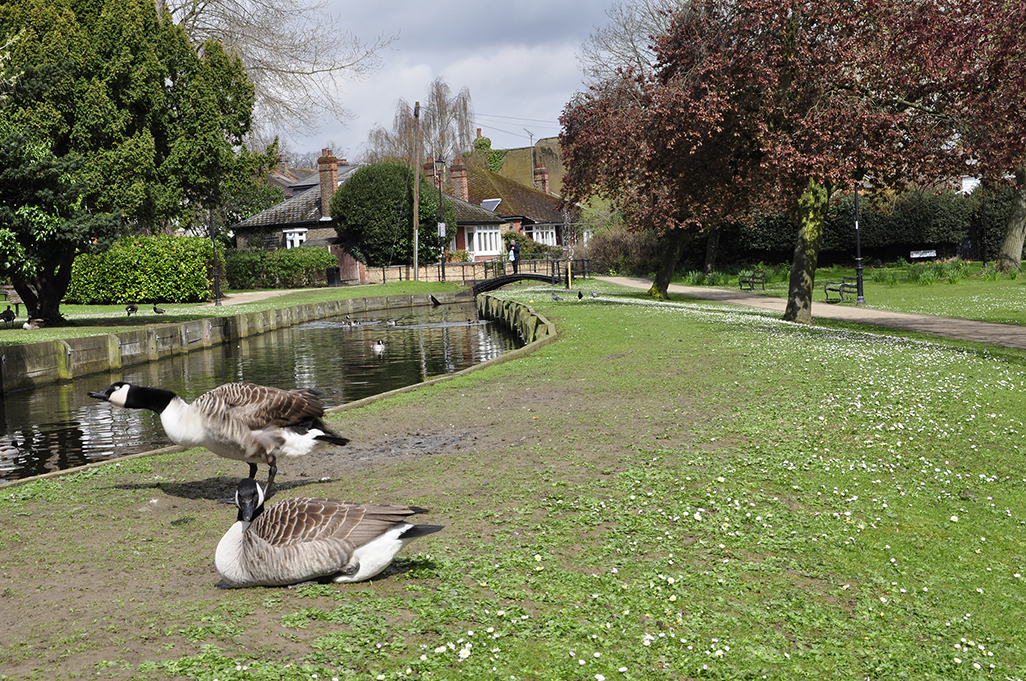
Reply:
x=171, y=269
x=619, y=250
x=289, y=268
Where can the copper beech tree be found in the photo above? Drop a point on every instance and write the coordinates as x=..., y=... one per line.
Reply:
x=760, y=105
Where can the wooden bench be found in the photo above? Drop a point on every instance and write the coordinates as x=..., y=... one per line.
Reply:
x=848, y=285
x=750, y=280
x=12, y=297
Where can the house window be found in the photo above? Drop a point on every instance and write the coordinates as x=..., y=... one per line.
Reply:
x=294, y=238
x=485, y=240
x=544, y=234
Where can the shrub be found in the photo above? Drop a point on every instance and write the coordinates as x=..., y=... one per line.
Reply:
x=289, y=268
x=623, y=251
x=171, y=269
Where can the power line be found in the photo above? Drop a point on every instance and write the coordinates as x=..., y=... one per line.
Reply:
x=513, y=118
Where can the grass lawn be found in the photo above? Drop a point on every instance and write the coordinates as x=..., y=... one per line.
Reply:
x=670, y=491
x=974, y=293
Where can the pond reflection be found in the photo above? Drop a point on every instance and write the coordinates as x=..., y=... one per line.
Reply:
x=55, y=427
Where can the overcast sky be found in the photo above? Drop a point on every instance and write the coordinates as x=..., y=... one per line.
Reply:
x=517, y=57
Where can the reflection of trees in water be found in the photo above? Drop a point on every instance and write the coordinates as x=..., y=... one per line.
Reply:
x=70, y=429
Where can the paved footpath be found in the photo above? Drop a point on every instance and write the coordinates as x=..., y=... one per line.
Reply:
x=1007, y=335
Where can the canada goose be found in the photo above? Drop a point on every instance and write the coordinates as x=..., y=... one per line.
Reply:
x=158, y=310
x=379, y=346
x=33, y=324
x=390, y=322
x=243, y=421
x=130, y=308
x=7, y=315
x=300, y=539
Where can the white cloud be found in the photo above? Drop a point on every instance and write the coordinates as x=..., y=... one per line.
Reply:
x=517, y=58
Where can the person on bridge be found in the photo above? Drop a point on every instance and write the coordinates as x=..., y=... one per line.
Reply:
x=514, y=256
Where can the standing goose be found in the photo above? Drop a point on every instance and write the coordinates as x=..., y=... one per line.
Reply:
x=300, y=539
x=130, y=308
x=243, y=421
x=158, y=310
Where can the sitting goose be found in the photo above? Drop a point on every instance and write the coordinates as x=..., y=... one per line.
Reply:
x=243, y=421
x=301, y=539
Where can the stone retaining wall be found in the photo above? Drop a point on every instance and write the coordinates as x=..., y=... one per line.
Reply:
x=524, y=321
x=23, y=366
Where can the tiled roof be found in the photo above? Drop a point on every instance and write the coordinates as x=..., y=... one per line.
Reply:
x=468, y=213
x=517, y=199
x=303, y=207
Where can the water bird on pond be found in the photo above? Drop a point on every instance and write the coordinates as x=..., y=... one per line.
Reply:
x=379, y=346
x=158, y=310
x=301, y=539
x=242, y=421
x=130, y=308
x=7, y=315
x=391, y=322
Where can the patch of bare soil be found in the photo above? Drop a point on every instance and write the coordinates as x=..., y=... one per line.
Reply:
x=115, y=568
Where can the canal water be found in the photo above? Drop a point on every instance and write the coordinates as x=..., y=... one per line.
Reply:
x=56, y=427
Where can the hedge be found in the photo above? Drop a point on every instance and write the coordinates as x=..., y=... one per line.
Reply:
x=289, y=268
x=136, y=269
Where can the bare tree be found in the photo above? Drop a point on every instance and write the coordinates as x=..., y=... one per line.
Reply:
x=446, y=131
x=625, y=42
x=295, y=53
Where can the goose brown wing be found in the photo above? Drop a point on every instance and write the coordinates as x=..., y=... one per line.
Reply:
x=258, y=406
x=301, y=520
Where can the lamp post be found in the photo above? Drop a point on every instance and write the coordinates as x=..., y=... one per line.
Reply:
x=439, y=169
x=860, y=299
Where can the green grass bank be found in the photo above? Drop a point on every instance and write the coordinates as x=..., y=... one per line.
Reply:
x=670, y=491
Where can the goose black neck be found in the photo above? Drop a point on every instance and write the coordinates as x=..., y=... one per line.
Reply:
x=141, y=397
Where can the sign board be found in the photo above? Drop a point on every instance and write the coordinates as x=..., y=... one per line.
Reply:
x=924, y=254
x=441, y=229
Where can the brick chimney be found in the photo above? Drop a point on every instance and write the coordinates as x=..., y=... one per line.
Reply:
x=458, y=174
x=541, y=179
x=328, y=166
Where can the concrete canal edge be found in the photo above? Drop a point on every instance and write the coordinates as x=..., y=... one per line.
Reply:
x=536, y=332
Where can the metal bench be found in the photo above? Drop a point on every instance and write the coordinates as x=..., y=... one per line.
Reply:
x=848, y=285
x=750, y=280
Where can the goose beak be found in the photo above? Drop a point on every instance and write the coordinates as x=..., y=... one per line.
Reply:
x=104, y=395
x=247, y=508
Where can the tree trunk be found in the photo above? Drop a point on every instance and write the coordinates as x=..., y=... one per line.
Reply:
x=42, y=294
x=712, y=246
x=812, y=211
x=673, y=244
x=1010, y=257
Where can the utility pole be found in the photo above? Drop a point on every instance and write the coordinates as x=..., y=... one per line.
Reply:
x=416, y=190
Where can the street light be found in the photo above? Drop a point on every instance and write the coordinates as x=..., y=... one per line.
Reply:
x=859, y=299
x=439, y=169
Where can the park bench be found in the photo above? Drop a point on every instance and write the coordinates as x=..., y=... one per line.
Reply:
x=750, y=280
x=12, y=297
x=848, y=285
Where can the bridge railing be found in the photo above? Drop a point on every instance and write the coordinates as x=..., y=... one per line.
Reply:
x=553, y=267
